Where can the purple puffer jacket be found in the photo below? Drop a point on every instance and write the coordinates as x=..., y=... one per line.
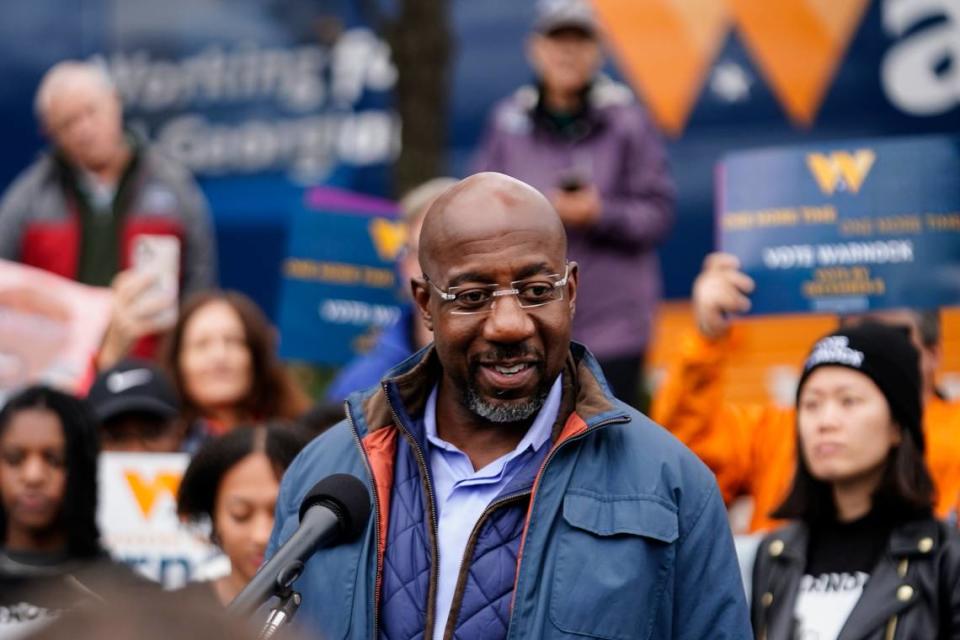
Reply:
x=616, y=148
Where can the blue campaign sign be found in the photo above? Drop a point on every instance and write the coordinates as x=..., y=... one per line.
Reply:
x=339, y=281
x=846, y=226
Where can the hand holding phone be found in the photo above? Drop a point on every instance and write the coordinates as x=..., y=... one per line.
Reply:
x=158, y=256
x=571, y=181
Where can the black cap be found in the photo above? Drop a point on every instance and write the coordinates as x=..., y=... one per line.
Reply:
x=553, y=15
x=133, y=386
x=887, y=356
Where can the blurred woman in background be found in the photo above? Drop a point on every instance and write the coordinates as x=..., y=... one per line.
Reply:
x=222, y=357
x=865, y=557
x=232, y=484
x=50, y=557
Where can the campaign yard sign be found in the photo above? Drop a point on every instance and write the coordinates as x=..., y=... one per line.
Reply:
x=339, y=281
x=845, y=227
x=137, y=514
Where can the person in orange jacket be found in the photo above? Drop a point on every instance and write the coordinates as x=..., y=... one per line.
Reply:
x=751, y=447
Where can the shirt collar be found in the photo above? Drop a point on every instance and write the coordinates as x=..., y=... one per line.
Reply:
x=536, y=436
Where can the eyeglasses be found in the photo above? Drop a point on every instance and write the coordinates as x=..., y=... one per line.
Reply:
x=480, y=298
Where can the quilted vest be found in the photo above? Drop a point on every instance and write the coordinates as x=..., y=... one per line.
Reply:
x=481, y=607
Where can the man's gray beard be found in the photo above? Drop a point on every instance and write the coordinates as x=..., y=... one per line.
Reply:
x=505, y=410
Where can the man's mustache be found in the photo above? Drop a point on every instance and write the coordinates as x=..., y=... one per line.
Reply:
x=507, y=352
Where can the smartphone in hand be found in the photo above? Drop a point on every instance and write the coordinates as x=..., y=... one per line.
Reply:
x=159, y=256
x=573, y=179
x=571, y=182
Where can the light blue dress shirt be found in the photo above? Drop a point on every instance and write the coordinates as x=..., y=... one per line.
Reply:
x=462, y=493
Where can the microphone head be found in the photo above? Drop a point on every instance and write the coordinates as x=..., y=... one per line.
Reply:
x=347, y=496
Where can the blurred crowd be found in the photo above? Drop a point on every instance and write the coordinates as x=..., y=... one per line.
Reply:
x=186, y=367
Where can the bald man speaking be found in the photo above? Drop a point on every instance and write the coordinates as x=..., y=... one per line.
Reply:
x=513, y=495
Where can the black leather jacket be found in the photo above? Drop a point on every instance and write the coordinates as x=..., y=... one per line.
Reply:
x=913, y=592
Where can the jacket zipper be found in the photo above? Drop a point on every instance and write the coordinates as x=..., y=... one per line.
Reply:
x=533, y=495
x=431, y=509
x=891, y=629
x=468, y=553
x=892, y=623
x=376, y=522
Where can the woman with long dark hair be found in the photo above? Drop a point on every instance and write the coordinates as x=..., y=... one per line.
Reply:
x=221, y=355
x=232, y=485
x=50, y=553
x=864, y=557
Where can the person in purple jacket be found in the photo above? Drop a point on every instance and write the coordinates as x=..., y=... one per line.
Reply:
x=584, y=141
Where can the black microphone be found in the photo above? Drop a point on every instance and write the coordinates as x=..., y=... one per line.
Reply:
x=336, y=510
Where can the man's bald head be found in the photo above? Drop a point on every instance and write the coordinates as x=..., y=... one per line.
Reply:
x=499, y=295
x=486, y=204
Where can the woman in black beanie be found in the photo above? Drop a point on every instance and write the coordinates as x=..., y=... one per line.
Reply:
x=864, y=558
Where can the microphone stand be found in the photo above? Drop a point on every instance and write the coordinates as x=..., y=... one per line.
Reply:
x=289, y=601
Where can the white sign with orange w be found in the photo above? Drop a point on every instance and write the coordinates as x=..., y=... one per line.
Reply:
x=138, y=518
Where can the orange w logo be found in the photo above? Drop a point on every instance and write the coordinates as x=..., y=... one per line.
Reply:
x=667, y=47
x=840, y=170
x=146, y=492
x=388, y=237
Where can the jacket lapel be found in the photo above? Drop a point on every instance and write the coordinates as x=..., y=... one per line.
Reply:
x=878, y=603
x=887, y=593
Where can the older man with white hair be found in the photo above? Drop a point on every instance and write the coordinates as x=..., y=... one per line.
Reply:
x=78, y=210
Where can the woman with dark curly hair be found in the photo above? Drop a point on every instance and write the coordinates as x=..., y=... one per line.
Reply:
x=232, y=485
x=50, y=557
x=864, y=557
x=221, y=355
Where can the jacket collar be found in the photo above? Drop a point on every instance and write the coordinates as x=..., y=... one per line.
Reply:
x=574, y=126
x=404, y=390
x=917, y=538
x=790, y=544
x=599, y=96
x=910, y=539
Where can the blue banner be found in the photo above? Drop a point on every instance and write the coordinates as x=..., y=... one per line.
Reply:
x=847, y=226
x=339, y=281
x=260, y=96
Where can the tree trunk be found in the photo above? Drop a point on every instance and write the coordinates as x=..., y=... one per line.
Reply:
x=421, y=44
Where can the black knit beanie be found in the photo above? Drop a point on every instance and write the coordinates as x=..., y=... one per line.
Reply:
x=887, y=356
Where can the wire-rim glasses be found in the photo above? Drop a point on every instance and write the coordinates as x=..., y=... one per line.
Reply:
x=531, y=292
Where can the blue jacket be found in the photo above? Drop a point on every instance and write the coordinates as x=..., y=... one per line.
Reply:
x=626, y=534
